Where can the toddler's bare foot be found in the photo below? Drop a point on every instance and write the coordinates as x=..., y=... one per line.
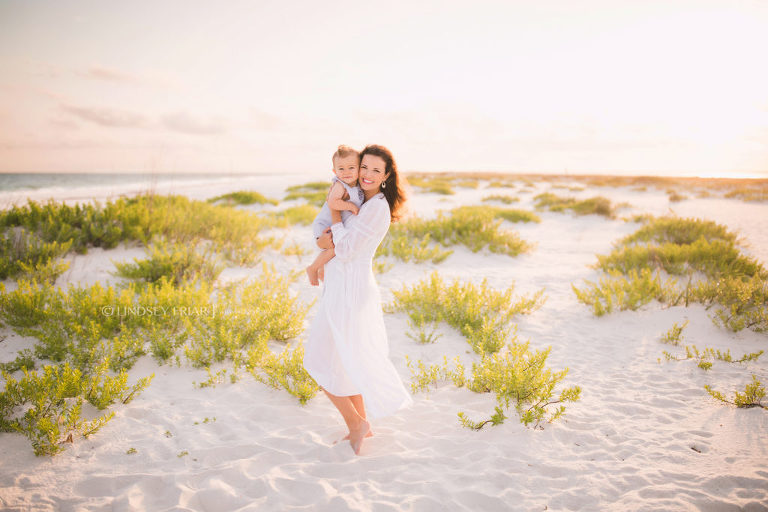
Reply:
x=312, y=274
x=356, y=435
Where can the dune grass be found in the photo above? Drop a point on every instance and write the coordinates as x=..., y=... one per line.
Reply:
x=435, y=185
x=303, y=215
x=594, y=205
x=675, y=196
x=474, y=227
x=46, y=406
x=176, y=261
x=757, y=192
x=506, y=199
x=236, y=234
x=705, y=357
x=243, y=197
x=482, y=314
x=736, y=285
x=508, y=368
x=89, y=330
x=753, y=395
x=501, y=184
x=314, y=192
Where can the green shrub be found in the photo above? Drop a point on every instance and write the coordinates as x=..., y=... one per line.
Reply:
x=753, y=395
x=315, y=192
x=675, y=335
x=703, y=358
x=595, y=205
x=437, y=185
x=506, y=199
x=516, y=375
x=735, y=284
x=619, y=293
x=481, y=313
x=312, y=186
x=303, y=214
x=407, y=248
x=22, y=252
x=243, y=197
x=284, y=370
x=52, y=402
x=176, y=261
x=679, y=231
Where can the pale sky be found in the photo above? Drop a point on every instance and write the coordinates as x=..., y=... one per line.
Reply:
x=660, y=87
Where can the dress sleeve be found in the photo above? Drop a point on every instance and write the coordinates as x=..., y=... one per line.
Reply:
x=372, y=221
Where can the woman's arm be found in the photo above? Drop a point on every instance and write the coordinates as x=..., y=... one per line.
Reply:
x=372, y=222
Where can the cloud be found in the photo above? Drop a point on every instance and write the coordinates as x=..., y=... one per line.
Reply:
x=184, y=123
x=107, y=117
x=262, y=120
x=101, y=73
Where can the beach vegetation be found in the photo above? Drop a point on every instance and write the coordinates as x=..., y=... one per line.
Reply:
x=618, y=292
x=516, y=375
x=236, y=234
x=502, y=198
x=243, y=197
x=725, y=279
x=178, y=262
x=437, y=185
x=595, y=205
x=749, y=193
x=22, y=252
x=282, y=371
x=315, y=198
x=705, y=357
x=314, y=193
x=675, y=196
x=675, y=335
x=482, y=314
x=501, y=184
x=303, y=215
x=406, y=247
x=46, y=406
x=753, y=395
x=379, y=266
x=92, y=329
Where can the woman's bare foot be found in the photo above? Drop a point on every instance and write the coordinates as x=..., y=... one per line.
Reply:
x=369, y=434
x=312, y=274
x=356, y=435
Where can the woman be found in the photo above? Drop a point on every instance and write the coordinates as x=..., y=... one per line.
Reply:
x=347, y=349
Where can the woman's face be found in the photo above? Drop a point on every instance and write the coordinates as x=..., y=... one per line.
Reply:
x=372, y=169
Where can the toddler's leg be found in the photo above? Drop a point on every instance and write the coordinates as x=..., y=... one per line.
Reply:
x=313, y=270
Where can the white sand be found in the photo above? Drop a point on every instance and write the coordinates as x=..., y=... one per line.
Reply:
x=644, y=436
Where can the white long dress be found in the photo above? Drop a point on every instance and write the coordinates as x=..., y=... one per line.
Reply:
x=347, y=351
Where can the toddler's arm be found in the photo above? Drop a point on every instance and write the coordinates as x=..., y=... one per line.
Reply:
x=336, y=199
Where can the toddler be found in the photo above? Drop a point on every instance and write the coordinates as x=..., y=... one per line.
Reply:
x=344, y=195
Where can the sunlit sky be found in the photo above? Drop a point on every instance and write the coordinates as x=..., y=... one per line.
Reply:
x=652, y=87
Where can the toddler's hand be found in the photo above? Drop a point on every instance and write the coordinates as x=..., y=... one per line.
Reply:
x=353, y=208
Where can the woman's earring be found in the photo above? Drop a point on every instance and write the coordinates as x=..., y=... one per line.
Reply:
x=383, y=184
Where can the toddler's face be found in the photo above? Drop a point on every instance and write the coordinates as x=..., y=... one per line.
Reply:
x=346, y=169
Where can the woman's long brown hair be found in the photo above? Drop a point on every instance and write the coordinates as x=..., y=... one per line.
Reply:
x=394, y=191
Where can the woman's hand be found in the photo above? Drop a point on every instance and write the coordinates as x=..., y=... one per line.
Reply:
x=326, y=239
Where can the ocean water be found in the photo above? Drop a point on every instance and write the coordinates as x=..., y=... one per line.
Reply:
x=58, y=181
